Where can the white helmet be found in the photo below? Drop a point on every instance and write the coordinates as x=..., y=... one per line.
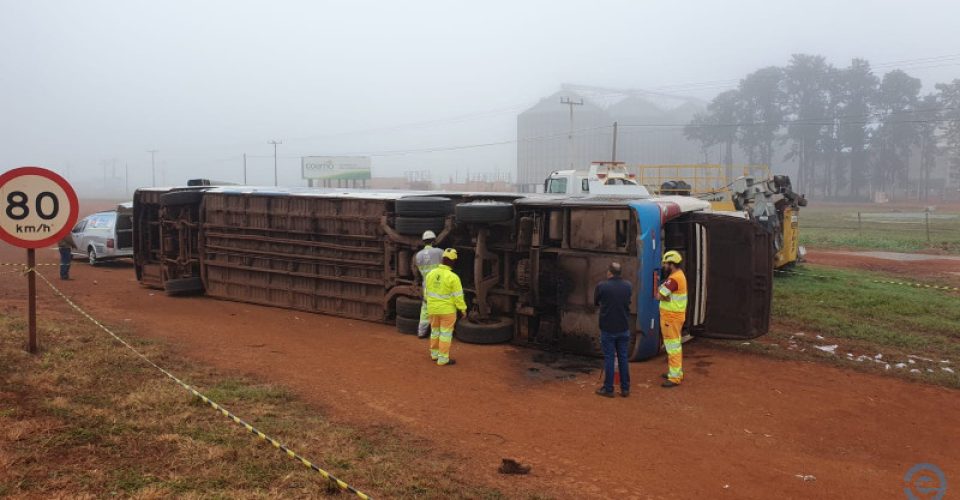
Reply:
x=429, y=235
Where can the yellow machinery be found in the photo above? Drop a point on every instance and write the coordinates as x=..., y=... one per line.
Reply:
x=766, y=198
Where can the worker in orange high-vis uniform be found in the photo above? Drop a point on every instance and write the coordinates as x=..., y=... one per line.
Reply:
x=445, y=305
x=673, y=312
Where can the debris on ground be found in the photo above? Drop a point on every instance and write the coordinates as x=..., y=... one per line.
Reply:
x=806, y=477
x=827, y=348
x=511, y=466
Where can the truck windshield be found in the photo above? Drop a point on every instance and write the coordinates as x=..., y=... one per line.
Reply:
x=557, y=186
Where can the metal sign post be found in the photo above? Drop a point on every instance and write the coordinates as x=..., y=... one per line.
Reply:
x=31, y=302
x=37, y=208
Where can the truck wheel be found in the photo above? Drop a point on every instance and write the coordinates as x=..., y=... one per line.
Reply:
x=494, y=332
x=424, y=206
x=176, y=198
x=183, y=286
x=408, y=307
x=92, y=256
x=408, y=326
x=417, y=225
x=484, y=211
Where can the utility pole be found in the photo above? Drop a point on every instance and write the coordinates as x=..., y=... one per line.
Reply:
x=244, y=169
x=126, y=179
x=275, y=183
x=614, y=142
x=571, y=103
x=153, y=165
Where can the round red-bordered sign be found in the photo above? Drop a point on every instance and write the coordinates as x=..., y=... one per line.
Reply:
x=38, y=207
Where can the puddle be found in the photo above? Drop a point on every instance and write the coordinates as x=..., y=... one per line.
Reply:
x=557, y=366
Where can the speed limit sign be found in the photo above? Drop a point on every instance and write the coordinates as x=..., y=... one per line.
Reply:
x=37, y=207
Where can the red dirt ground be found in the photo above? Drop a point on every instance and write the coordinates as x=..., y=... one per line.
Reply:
x=941, y=271
x=741, y=426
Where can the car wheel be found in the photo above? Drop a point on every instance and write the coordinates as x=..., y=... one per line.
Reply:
x=484, y=211
x=417, y=225
x=408, y=307
x=183, y=286
x=408, y=326
x=92, y=256
x=493, y=332
x=424, y=206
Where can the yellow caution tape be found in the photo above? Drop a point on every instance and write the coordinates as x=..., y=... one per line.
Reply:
x=903, y=283
x=15, y=264
x=216, y=406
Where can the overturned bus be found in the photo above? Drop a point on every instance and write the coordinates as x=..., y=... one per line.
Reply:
x=529, y=264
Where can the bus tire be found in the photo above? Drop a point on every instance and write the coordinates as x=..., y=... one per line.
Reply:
x=408, y=307
x=408, y=326
x=424, y=206
x=415, y=226
x=495, y=332
x=484, y=212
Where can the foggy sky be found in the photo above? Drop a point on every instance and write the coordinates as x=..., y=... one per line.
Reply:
x=205, y=82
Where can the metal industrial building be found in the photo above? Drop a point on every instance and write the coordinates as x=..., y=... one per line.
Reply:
x=649, y=131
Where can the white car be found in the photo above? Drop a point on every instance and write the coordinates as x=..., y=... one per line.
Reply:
x=105, y=235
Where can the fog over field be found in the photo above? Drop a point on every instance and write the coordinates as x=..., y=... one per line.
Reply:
x=88, y=88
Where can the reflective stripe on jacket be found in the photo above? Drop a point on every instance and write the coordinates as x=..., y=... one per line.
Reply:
x=443, y=291
x=678, y=297
x=428, y=259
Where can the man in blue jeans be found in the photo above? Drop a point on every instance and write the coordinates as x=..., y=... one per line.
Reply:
x=613, y=298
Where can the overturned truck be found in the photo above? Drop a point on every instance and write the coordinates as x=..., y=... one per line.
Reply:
x=529, y=264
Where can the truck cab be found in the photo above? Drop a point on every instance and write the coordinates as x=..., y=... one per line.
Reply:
x=600, y=179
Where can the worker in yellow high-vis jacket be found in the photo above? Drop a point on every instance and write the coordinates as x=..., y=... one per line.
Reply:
x=445, y=305
x=673, y=312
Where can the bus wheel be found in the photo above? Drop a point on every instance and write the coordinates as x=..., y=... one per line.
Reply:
x=494, y=332
x=484, y=211
x=409, y=326
x=415, y=226
x=408, y=307
x=424, y=206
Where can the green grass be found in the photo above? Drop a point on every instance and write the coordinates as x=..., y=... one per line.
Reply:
x=879, y=228
x=85, y=418
x=865, y=318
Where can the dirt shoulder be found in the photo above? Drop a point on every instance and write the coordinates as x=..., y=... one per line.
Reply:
x=741, y=425
x=936, y=270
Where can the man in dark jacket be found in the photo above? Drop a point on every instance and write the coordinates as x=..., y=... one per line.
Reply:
x=65, y=246
x=613, y=298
